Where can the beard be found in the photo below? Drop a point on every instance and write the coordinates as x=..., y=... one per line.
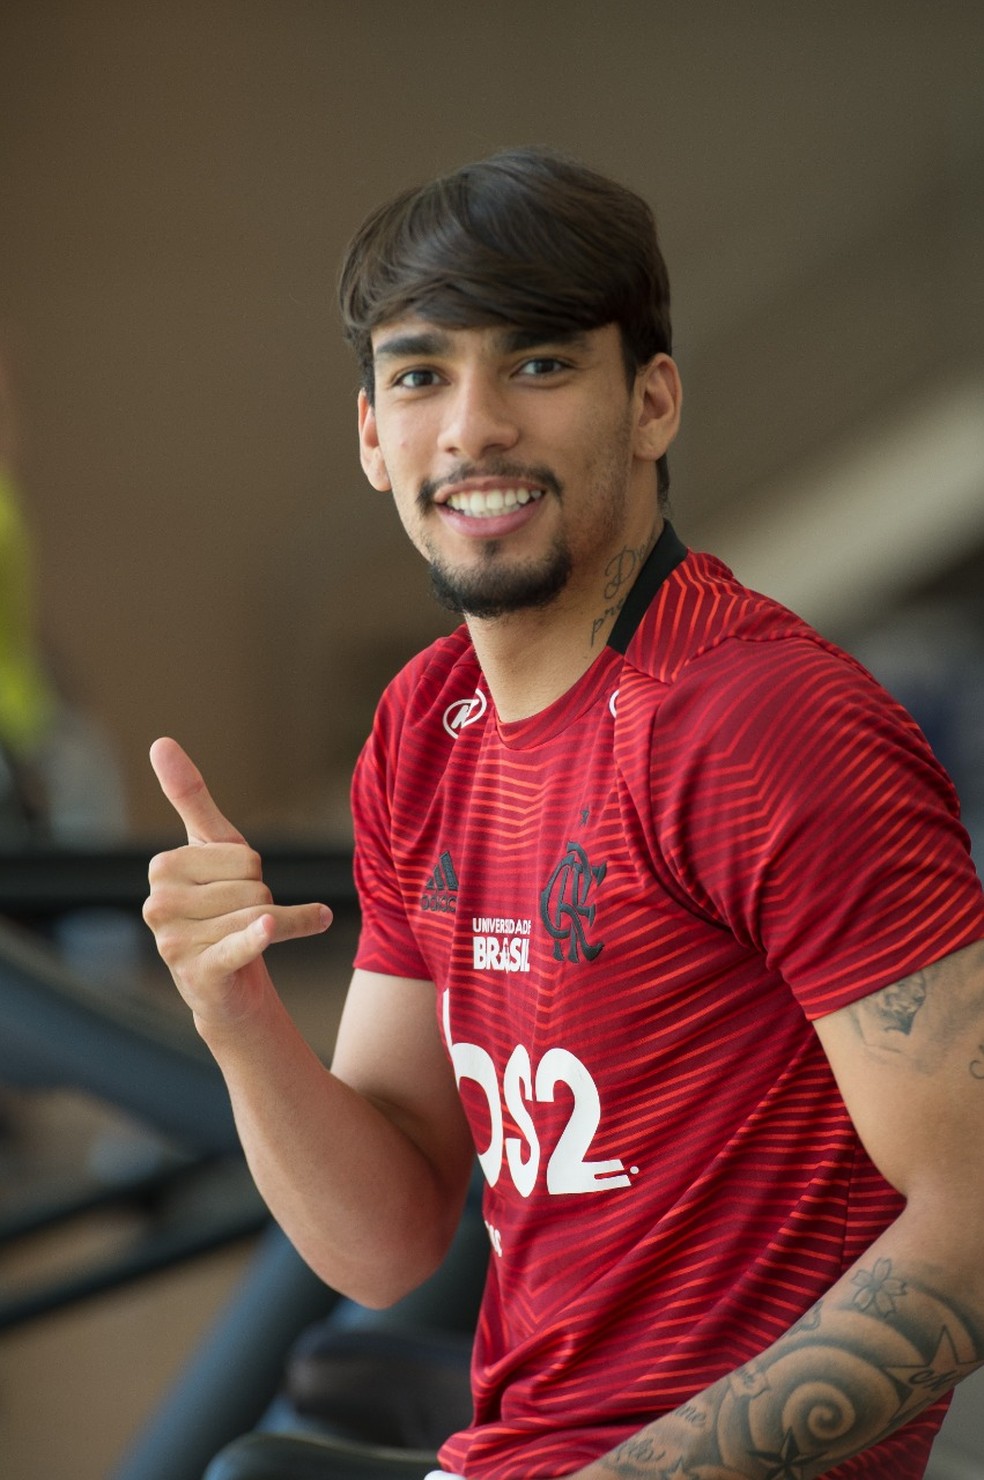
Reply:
x=496, y=588
x=498, y=585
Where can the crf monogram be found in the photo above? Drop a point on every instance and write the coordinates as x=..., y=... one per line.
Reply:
x=564, y=907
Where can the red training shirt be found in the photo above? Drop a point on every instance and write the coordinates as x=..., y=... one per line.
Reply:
x=631, y=905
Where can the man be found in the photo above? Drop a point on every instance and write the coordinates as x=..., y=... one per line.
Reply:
x=667, y=913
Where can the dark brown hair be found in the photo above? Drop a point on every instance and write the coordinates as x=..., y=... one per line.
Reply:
x=527, y=237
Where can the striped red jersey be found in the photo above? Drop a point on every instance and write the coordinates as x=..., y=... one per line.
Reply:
x=631, y=904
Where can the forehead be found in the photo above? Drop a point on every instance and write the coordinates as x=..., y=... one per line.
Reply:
x=413, y=335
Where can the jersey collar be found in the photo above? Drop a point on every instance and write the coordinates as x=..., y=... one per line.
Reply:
x=667, y=553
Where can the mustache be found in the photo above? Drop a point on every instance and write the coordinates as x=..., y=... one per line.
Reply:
x=499, y=468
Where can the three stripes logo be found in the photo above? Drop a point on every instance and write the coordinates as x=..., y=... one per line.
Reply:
x=441, y=889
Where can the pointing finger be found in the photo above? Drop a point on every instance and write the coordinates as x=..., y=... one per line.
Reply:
x=182, y=784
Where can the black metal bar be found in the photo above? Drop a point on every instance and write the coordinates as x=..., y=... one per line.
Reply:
x=57, y=1030
x=69, y=1202
x=152, y=1254
x=227, y=1386
x=39, y=880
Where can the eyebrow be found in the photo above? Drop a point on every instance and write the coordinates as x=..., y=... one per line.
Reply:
x=424, y=342
x=420, y=342
x=513, y=341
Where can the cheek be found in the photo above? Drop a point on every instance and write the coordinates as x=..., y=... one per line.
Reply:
x=403, y=491
x=413, y=526
x=399, y=453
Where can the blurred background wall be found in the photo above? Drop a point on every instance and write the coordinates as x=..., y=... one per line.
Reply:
x=177, y=183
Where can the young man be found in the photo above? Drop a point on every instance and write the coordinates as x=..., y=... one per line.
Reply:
x=667, y=913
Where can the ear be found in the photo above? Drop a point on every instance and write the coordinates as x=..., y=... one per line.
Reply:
x=370, y=452
x=659, y=397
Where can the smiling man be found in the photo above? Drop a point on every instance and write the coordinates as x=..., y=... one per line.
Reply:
x=485, y=398
x=523, y=472
x=668, y=914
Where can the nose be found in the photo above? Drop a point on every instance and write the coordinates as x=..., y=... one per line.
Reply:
x=479, y=418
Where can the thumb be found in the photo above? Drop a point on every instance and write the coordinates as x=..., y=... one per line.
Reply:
x=182, y=784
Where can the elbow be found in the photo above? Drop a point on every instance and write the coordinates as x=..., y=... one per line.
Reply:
x=945, y=1226
x=381, y=1273
x=385, y=1282
x=382, y=1295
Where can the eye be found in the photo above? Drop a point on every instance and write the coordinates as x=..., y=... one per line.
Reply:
x=415, y=380
x=542, y=365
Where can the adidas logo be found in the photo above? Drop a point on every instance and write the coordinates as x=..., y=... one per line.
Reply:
x=441, y=890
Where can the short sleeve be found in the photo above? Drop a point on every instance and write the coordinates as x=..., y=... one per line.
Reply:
x=801, y=808
x=386, y=942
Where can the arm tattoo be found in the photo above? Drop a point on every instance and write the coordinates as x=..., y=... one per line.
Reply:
x=896, y=1006
x=927, y=1015
x=891, y=1011
x=856, y=1368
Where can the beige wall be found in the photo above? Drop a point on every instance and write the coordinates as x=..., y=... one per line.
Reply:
x=177, y=181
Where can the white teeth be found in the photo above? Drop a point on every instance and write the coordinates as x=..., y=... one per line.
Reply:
x=483, y=504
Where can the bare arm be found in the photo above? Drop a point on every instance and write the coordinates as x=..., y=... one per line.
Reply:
x=906, y=1322
x=365, y=1167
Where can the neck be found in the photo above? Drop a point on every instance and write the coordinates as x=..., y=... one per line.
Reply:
x=530, y=658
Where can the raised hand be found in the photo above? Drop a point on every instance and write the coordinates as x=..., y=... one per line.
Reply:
x=211, y=913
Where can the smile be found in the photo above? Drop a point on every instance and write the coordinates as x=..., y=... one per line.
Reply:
x=485, y=503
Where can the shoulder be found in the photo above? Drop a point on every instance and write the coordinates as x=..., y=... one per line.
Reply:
x=437, y=696
x=707, y=638
x=792, y=677
x=699, y=609
x=443, y=675
x=727, y=682
x=708, y=642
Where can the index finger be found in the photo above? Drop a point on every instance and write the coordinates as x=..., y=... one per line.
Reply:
x=182, y=784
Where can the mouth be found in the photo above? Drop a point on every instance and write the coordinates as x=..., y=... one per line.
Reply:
x=487, y=503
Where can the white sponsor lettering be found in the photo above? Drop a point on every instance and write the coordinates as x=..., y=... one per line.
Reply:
x=494, y=953
x=495, y=1237
x=500, y=943
x=568, y=1167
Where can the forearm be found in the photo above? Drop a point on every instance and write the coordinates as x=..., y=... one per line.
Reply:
x=351, y=1189
x=889, y=1338
x=369, y=1186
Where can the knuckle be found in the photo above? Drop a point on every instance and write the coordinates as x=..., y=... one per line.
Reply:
x=159, y=906
x=160, y=866
x=156, y=909
x=169, y=943
x=252, y=902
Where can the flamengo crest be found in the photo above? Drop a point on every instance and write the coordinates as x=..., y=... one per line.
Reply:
x=564, y=907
